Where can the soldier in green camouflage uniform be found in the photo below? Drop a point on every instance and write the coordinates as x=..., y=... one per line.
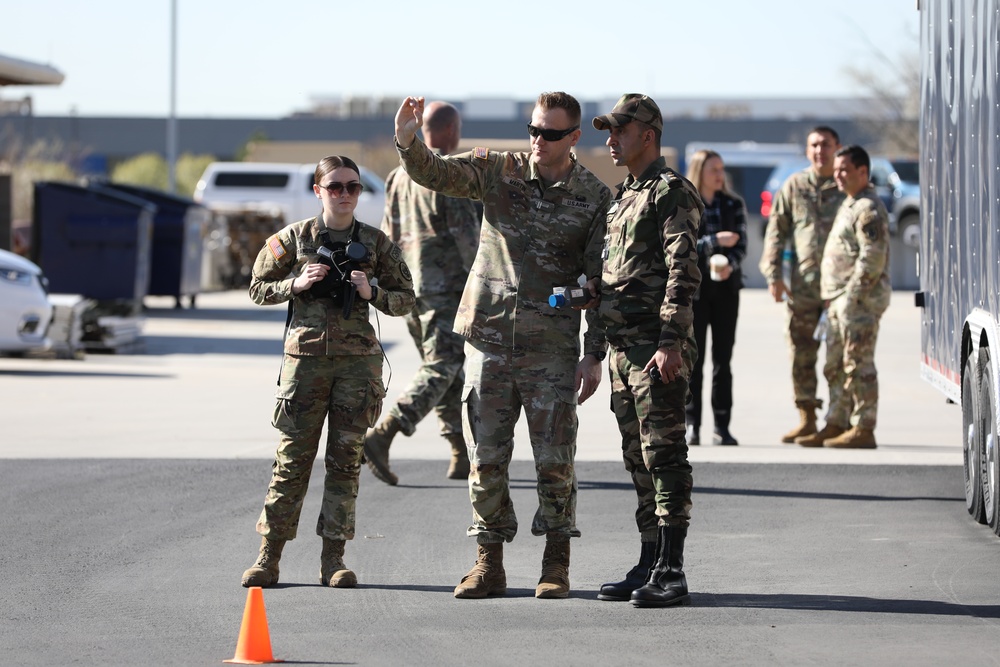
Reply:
x=801, y=215
x=543, y=224
x=332, y=368
x=856, y=285
x=439, y=236
x=648, y=286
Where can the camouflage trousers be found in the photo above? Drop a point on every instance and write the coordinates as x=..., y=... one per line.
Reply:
x=438, y=384
x=650, y=417
x=801, y=319
x=345, y=393
x=850, y=364
x=499, y=383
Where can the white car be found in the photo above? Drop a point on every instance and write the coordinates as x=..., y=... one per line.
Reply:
x=285, y=185
x=25, y=311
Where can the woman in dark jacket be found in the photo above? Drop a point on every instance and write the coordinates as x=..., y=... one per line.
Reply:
x=722, y=244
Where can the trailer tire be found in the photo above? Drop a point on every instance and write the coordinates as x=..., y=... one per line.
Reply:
x=972, y=455
x=988, y=430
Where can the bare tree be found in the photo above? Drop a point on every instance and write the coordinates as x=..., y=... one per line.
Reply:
x=893, y=87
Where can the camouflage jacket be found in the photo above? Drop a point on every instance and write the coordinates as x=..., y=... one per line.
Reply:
x=856, y=257
x=438, y=235
x=533, y=239
x=318, y=327
x=651, y=270
x=803, y=212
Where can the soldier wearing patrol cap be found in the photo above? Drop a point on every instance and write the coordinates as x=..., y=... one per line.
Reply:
x=648, y=285
x=543, y=222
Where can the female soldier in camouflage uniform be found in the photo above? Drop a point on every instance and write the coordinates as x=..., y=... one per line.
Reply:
x=332, y=368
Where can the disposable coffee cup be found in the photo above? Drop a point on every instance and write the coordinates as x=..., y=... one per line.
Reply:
x=715, y=265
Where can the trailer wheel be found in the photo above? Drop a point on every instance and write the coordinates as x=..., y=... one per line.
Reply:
x=972, y=456
x=990, y=443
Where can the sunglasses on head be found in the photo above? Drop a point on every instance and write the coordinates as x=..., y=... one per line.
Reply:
x=353, y=188
x=549, y=135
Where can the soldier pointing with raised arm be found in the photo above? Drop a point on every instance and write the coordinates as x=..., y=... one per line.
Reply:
x=543, y=226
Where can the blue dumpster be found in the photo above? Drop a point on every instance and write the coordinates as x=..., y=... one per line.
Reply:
x=179, y=228
x=93, y=241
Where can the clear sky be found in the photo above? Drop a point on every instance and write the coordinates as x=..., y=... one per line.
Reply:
x=267, y=58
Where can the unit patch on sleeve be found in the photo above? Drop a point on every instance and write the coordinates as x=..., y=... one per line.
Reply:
x=480, y=152
x=278, y=250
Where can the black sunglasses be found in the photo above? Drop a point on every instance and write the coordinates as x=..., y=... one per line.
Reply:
x=550, y=135
x=353, y=188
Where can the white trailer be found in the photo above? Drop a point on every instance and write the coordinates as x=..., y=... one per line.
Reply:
x=960, y=245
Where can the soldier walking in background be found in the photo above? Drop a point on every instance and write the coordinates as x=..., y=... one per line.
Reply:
x=856, y=285
x=801, y=217
x=439, y=236
x=648, y=284
x=543, y=224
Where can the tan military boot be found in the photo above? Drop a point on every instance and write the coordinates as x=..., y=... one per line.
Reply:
x=377, y=449
x=264, y=572
x=855, y=438
x=817, y=439
x=487, y=576
x=332, y=571
x=807, y=425
x=459, y=466
x=555, y=570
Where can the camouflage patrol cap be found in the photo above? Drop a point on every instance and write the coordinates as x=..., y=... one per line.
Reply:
x=631, y=106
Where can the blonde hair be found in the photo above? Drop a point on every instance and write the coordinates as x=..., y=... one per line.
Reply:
x=697, y=164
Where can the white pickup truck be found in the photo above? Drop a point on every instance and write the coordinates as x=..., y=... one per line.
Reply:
x=287, y=186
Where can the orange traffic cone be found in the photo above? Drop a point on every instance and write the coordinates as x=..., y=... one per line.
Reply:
x=254, y=644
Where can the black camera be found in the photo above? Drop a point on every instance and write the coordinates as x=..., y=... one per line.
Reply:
x=342, y=259
x=569, y=296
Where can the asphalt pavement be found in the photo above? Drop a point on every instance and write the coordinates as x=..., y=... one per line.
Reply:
x=131, y=484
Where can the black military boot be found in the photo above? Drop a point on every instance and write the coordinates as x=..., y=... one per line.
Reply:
x=666, y=584
x=621, y=591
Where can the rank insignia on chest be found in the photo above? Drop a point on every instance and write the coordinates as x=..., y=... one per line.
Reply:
x=480, y=152
x=278, y=250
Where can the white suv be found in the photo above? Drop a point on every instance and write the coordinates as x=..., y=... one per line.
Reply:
x=285, y=185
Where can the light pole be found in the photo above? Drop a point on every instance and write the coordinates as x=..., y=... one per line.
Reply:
x=172, y=118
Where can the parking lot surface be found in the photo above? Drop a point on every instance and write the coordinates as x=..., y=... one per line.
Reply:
x=131, y=485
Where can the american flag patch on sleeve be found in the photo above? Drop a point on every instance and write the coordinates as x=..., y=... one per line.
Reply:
x=480, y=152
x=277, y=249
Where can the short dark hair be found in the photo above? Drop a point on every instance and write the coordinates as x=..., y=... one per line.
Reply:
x=857, y=155
x=657, y=133
x=825, y=129
x=331, y=162
x=560, y=100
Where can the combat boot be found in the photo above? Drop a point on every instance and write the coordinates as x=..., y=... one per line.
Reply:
x=666, y=584
x=807, y=425
x=487, y=576
x=264, y=572
x=332, y=571
x=856, y=438
x=554, y=582
x=621, y=591
x=817, y=439
x=377, y=449
x=459, y=466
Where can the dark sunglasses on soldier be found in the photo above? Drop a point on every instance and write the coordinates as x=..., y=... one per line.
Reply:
x=550, y=135
x=353, y=188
